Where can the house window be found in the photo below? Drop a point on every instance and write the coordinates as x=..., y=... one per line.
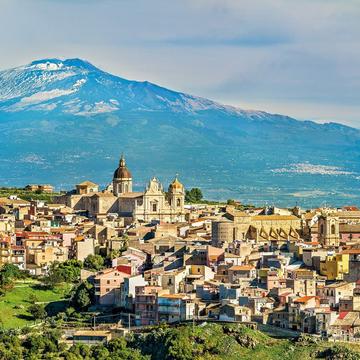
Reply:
x=108, y=281
x=107, y=290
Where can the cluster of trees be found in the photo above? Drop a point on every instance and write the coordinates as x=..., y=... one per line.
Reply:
x=69, y=271
x=47, y=345
x=94, y=262
x=193, y=196
x=212, y=341
x=9, y=273
x=83, y=296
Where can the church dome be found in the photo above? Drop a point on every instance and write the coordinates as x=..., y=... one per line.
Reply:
x=176, y=185
x=122, y=172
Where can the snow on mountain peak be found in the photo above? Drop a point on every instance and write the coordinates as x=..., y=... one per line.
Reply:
x=57, y=64
x=76, y=86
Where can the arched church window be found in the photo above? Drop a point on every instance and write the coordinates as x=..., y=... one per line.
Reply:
x=178, y=203
x=154, y=207
x=321, y=228
x=333, y=229
x=126, y=188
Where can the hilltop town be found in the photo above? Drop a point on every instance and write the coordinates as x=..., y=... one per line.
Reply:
x=139, y=259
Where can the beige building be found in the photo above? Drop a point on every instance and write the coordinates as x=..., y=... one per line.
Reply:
x=153, y=204
x=46, y=188
x=83, y=248
x=238, y=225
x=40, y=253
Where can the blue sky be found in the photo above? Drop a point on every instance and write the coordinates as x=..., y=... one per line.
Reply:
x=295, y=57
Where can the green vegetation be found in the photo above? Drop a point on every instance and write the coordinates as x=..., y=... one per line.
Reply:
x=67, y=271
x=94, y=262
x=8, y=274
x=82, y=296
x=27, y=195
x=207, y=341
x=14, y=304
x=193, y=196
x=233, y=342
x=37, y=311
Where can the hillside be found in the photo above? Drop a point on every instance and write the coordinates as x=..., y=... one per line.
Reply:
x=207, y=341
x=66, y=121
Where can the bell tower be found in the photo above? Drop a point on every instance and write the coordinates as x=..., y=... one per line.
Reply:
x=176, y=195
x=328, y=230
x=122, y=181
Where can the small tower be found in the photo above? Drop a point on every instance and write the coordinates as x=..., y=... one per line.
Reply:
x=122, y=181
x=176, y=195
x=328, y=230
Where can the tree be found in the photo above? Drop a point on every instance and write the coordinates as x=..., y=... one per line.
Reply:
x=8, y=274
x=94, y=262
x=33, y=298
x=67, y=271
x=193, y=196
x=81, y=299
x=37, y=311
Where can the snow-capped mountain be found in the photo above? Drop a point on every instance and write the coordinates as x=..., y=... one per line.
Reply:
x=77, y=87
x=63, y=121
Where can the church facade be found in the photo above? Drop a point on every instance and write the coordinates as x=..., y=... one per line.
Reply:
x=153, y=204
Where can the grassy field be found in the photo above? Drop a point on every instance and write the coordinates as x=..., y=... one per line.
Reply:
x=27, y=195
x=14, y=304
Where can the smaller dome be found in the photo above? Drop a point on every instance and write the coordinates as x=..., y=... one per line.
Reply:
x=176, y=185
x=122, y=172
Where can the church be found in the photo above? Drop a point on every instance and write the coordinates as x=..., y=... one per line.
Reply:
x=152, y=204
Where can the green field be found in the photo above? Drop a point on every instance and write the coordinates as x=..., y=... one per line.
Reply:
x=27, y=195
x=14, y=304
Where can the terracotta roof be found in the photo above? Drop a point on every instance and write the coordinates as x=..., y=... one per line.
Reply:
x=342, y=314
x=309, y=216
x=6, y=201
x=304, y=299
x=274, y=217
x=242, y=267
x=87, y=183
x=351, y=251
x=351, y=208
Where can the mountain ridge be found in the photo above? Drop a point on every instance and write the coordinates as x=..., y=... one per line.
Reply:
x=59, y=65
x=63, y=121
